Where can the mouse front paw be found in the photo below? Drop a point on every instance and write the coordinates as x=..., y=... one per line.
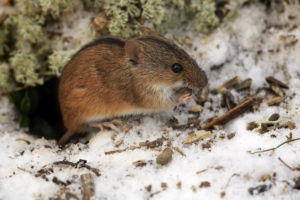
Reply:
x=185, y=98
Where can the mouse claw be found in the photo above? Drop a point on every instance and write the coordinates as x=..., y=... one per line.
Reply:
x=117, y=122
x=112, y=125
x=185, y=98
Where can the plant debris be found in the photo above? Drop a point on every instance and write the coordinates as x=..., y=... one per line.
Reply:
x=288, y=141
x=58, y=182
x=231, y=114
x=245, y=84
x=164, y=186
x=202, y=96
x=179, y=151
x=117, y=144
x=127, y=128
x=70, y=196
x=195, y=109
x=277, y=90
x=204, y=184
x=274, y=120
x=148, y=188
x=272, y=80
x=229, y=84
x=197, y=137
x=265, y=177
x=230, y=136
x=88, y=186
x=114, y=151
x=156, y=143
x=21, y=139
x=81, y=163
x=139, y=163
x=293, y=169
x=275, y=100
x=259, y=189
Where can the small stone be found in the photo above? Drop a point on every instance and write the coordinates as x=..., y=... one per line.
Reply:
x=165, y=157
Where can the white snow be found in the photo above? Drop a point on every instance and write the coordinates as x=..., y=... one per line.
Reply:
x=227, y=163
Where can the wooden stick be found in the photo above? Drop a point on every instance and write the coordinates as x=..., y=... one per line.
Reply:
x=231, y=114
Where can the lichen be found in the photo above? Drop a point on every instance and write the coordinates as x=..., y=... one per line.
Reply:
x=205, y=19
x=26, y=66
x=4, y=75
x=153, y=11
x=57, y=61
x=3, y=39
x=32, y=57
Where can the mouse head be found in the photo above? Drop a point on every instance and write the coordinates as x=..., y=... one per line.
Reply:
x=158, y=60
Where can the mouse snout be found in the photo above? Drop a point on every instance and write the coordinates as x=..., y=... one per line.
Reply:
x=198, y=81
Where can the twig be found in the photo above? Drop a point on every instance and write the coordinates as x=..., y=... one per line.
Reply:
x=285, y=164
x=14, y=90
x=275, y=147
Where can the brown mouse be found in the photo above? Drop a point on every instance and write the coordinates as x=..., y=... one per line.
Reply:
x=113, y=77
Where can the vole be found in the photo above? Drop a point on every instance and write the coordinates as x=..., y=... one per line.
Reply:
x=113, y=77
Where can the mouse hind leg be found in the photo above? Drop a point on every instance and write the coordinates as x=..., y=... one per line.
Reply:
x=113, y=125
x=66, y=137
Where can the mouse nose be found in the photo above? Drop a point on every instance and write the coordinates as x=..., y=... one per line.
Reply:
x=198, y=81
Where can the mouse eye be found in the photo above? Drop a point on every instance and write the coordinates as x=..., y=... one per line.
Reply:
x=177, y=68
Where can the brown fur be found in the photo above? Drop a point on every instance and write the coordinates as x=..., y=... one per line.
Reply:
x=112, y=76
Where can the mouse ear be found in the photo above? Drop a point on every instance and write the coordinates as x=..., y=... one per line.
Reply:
x=134, y=49
x=148, y=31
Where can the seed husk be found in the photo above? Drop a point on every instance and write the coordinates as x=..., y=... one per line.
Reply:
x=230, y=101
x=277, y=90
x=139, y=163
x=156, y=143
x=195, y=109
x=229, y=84
x=275, y=100
x=274, y=117
x=271, y=80
x=246, y=84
